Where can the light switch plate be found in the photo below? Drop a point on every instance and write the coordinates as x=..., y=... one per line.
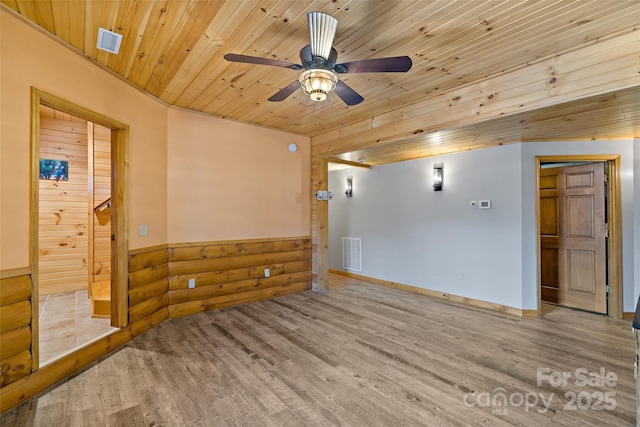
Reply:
x=143, y=230
x=192, y=283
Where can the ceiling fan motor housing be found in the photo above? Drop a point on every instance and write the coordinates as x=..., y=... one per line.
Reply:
x=310, y=62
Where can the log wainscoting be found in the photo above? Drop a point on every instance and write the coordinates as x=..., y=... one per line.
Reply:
x=231, y=273
x=226, y=273
x=15, y=325
x=148, y=283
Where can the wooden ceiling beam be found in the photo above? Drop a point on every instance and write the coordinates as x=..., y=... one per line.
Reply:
x=598, y=68
x=347, y=162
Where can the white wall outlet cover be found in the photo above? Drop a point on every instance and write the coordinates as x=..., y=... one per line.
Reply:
x=293, y=148
x=485, y=204
x=144, y=230
x=266, y=272
x=323, y=195
x=192, y=283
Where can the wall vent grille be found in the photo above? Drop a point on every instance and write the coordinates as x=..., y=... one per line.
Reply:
x=108, y=41
x=352, y=253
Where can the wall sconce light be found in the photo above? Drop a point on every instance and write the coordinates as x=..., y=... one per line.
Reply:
x=438, y=176
x=349, y=191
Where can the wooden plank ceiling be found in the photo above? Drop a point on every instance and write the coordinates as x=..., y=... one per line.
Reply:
x=173, y=49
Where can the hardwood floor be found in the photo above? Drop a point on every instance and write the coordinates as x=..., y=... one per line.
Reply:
x=66, y=324
x=358, y=355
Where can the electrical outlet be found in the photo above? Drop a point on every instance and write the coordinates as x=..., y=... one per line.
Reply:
x=143, y=230
x=266, y=272
x=192, y=283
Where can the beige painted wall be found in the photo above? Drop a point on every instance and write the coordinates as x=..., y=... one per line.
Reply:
x=191, y=177
x=28, y=58
x=229, y=180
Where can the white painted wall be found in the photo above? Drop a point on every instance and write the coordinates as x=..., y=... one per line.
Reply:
x=436, y=240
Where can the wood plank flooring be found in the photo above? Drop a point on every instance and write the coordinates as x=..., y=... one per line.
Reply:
x=358, y=355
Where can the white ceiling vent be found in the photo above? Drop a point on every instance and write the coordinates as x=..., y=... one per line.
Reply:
x=352, y=253
x=109, y=41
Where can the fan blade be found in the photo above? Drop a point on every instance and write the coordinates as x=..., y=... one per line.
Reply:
x=233, y=57
x=322, y=30
x=396, y=64
x=348, y=95
x=285, y=92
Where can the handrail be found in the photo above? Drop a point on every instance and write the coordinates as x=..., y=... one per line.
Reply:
x=102, y=206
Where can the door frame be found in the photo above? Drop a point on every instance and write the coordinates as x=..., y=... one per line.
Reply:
x=614, y=219
x=119, y=207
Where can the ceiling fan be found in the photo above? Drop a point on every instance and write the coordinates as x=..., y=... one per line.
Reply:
x=320, y=75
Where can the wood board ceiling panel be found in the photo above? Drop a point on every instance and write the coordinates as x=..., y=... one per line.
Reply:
x=173, y=49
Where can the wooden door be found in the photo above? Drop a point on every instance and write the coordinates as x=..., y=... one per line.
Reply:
x=572, y=234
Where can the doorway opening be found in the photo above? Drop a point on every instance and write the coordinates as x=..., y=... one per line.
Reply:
x=79, y=243
x=579, y=229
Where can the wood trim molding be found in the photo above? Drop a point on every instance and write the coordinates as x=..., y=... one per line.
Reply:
x=232, y=242
x=119, y=224
x=148, y=249
x=14, y=272
x=321, y=259
x=628, y=315
x=91, y=213
x=530, y=313
x=442, y=295
x=538, y=249
x=34, y=212
x=614, y=202
x=347, y=162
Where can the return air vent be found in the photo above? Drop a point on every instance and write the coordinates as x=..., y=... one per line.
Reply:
x=109, y=41
x=352, y=253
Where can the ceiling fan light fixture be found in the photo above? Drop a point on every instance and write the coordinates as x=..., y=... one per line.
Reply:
x=319, y=59
x=318, y=83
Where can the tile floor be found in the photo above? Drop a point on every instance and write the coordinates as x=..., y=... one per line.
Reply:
x=66, y=324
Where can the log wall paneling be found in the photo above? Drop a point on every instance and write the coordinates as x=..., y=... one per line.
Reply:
x=15, y=328
x=148, y=284
x=231, y=273
x=63, y=220
x=101, y=192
